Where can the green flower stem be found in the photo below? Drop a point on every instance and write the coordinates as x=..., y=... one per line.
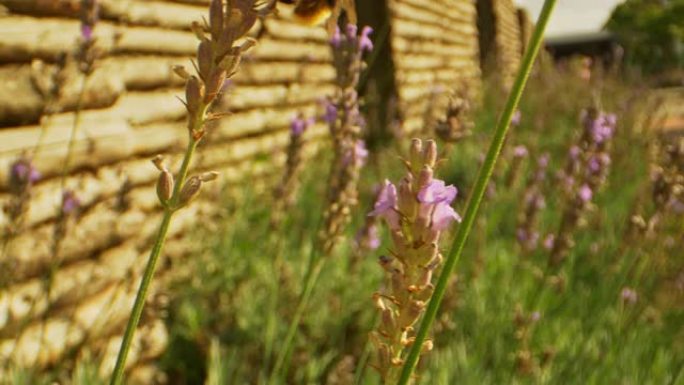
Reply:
x=478, y=191
x=169, y=210
x=313, y=272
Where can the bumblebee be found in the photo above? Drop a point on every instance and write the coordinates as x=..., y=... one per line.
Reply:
x=312, y=12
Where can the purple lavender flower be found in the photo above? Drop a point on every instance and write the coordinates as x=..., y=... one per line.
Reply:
x=299, y=125
x=23, y=171
x=521, y=235
x=86, y=32
x=594, y=164
x=330, y=115
x=535, y=316
x=436, y=192
x=601, y=128
x=549, y=241
x=629, y=296
x=443, y=216
x=358, y=154
x=352, y=29
x=516, y=118
x=365, y=43
x=520, y=151
x=385, y=205
x=70, y=202
x=336, y=39
x=543, y=160
x=574, y=152
x=585, y=194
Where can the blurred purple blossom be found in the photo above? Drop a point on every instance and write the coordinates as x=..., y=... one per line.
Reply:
x=336, y=38
x=520, y=151
x=516, y=118
x=585, y=194
x=549, y=241
x=365, y=43
x=352, y=29
x=330, y=115
x=22, y=171
x=299, y=124
x=629, y=295
x=70, y=202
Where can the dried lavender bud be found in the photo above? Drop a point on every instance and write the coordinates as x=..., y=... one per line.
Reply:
x=190, y=190
x=181, y=72
x=216, y=18
x=165, y=187
x=193, y=95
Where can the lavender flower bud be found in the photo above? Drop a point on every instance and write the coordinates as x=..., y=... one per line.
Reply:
x=165, y=187
x=190, y=190
x=193, y=95
x=216, y=19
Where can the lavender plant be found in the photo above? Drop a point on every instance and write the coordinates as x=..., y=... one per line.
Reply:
x=585, y=173
x=478, y=192
x=416, y=213
x=527, y=233
x=22, y=176
x=286, y=191
x=218, y=58
x=349, y=154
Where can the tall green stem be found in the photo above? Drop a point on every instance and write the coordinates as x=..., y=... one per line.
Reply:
x=475, y=199
x=313, y=272
x=169, y=210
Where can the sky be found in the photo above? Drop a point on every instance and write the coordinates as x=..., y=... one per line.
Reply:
x=572, y=16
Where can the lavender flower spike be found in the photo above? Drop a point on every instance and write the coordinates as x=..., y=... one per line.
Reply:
x=416, y=212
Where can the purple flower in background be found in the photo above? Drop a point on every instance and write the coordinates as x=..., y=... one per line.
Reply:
x=23, y=172
x=520, y=151
x=385, y=205
x=360, y=153
x=521, y=235
x=352, y=29
x=594, y=164
x=628, y=295
x=336, y=38
x=70, y=202
x=535, y=316
x=516, y=118
x=86, y=32
x=549, y=241
x=543, y=161
x=299, y=125
x=602, y=127
x=437, y=191
x=365, y=43
x=330, y=115
x=574, y=152
x=585, y=194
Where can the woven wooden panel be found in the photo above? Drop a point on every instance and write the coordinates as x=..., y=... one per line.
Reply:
x=130, y=112
x=435, y=53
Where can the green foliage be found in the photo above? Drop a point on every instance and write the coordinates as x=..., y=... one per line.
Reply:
x=585, y=333
x=652, y=33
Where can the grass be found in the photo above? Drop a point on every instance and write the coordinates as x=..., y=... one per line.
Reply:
x=222, y=318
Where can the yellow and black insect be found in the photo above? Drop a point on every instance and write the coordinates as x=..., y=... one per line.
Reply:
x=312, y=12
